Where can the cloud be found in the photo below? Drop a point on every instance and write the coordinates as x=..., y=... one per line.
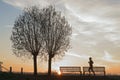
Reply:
x=25, y=3
x=21, y=4
x=95, y=7
x=77, y=55
x=108, y=57
x=95, y=24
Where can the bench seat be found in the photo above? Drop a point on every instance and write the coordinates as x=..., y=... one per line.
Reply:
x=96, y=69
x=70, y=69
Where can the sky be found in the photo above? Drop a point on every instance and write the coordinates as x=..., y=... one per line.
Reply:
x=95, y=33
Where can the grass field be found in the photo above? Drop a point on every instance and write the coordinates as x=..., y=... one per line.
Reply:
x=18, y=76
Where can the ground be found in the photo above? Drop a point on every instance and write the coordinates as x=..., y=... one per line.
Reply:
x=18, y=76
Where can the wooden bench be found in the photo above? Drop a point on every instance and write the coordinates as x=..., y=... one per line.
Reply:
x=70, y=69
x=96, y=69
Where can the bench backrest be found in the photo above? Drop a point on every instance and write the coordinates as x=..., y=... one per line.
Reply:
x=96, y=69
x=70, y=69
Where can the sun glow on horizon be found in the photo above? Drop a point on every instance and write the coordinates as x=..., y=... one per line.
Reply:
x=59, y=73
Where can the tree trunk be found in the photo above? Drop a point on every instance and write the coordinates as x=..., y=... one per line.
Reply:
x=49, y=67
x=35, y=66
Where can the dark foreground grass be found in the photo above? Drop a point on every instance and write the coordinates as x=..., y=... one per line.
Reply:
x=17, y=76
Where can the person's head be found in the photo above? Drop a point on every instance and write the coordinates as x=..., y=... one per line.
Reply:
x=90, y=58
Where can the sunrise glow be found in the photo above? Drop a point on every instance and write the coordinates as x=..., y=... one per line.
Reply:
x=59, y=73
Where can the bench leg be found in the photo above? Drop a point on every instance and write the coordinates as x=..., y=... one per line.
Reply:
x=104, y=73
x=80, y=73
x=84, y=73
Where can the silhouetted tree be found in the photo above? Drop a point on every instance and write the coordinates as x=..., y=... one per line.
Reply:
x=26, y=36
x=56, y=33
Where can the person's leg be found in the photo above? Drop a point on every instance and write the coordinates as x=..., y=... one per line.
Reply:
x=89, y=70
x=93, y=71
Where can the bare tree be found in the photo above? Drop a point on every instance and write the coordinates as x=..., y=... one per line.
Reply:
x=56, y=33
x=26, y=36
